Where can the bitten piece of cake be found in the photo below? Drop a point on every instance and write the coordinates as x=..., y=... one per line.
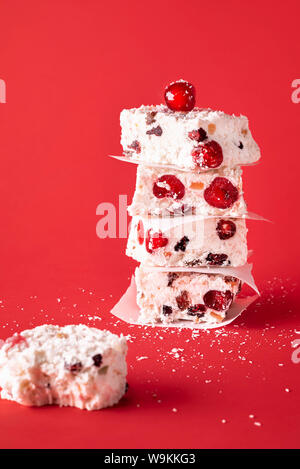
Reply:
x=69, y=366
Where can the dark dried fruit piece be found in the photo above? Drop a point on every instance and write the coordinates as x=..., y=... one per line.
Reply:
x=221, y=193
x=197, y=310
x=218, y=300
x=97, y=359
x=126, y=387
x=150, y=117
x=193, y=263
x=140, y=232
x=155, y=131
x=181, y=245
x=167, y=310
x=199, y=135
x=226, y=229
x=217, y=259
x=168, y=186
x=183, y=300
x=171, y=277
x=229, y=279
x=209, y=155
x=74, y=368
x=180, y=96
x=135, y=146
x=241, y=145
x=155, y=241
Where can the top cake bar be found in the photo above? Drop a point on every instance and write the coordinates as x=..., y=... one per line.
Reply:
x=198, y=140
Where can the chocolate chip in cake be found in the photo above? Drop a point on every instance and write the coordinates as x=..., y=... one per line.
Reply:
x=181, y=245
x=155, y=131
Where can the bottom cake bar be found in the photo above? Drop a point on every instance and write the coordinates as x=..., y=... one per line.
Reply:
x=173, y=296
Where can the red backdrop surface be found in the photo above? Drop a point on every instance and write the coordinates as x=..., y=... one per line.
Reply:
x=70, y=67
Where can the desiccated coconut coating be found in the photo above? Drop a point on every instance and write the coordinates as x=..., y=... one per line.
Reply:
x=158, y=135
x=172, y=296
x=69, y=366
x=209, y=241
x=164, y=193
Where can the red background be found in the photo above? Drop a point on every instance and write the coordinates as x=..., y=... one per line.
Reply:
x=70, y=67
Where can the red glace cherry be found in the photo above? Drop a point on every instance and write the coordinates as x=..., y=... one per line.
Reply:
x=226, y=229
x=168, y=186
x=180, y=96
x=218, y=300
x=140, y=232
x=155, y=241
x=209, y=155
x=221, y=193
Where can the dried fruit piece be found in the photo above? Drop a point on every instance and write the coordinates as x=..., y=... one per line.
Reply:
x=167, y=310
x=74, y=368
x=135, y=146
x=216, y=316
x=241, y=145
x=197, y=310
x=150, y=117
x=181, y=245
x=198, y=135
x=209, y=155
x=218, y=300
x=211, y=128
x=97, y=359
x=171, y=277
x=196, y=186
x=140, y=232
x=168, y=186
x=221, y=193
x=180, y=96
x=155, y=241
x=217, y=259
x=226, y=229
x=155, y=131
x=183, y=300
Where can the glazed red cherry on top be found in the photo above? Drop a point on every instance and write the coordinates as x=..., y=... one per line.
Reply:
x=180, y=96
